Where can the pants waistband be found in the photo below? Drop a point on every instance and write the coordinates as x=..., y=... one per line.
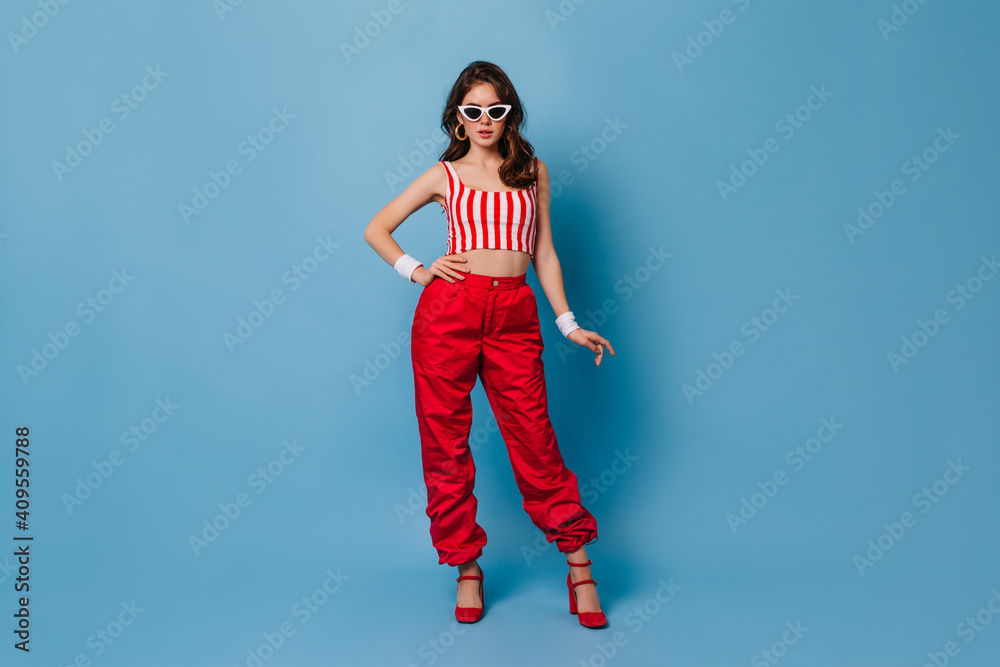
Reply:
x=494, y=282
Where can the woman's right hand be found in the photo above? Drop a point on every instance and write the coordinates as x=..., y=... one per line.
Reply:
x=449, y=267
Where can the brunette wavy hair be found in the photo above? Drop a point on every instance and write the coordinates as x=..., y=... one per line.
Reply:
x=517, y=152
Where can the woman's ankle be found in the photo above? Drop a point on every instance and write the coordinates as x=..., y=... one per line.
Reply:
x=577, y=556
x=472, y=567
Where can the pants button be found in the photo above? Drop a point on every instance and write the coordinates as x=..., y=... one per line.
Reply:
x=496, y=282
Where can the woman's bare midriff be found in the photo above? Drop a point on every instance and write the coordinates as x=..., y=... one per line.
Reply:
x=499, y=263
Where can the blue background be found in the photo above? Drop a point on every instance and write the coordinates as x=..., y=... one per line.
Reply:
x=349, y=500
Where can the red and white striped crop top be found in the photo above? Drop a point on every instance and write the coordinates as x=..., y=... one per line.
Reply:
x=484, y=219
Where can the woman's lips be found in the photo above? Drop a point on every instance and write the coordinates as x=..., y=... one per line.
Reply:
x=485, y=133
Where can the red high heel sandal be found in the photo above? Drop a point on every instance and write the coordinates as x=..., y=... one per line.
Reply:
x=471, y=614
x=588, y=619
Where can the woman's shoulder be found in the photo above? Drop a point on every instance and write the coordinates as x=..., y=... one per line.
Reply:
x=539, y=168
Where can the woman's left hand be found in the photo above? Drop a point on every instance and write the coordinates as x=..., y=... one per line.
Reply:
x=592, y=340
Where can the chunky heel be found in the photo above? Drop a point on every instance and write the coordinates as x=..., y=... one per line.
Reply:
x=588, y=619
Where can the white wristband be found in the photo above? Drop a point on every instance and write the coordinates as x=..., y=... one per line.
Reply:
x=567, y=323
x=406, y=265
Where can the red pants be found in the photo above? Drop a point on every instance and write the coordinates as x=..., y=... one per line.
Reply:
x=488, y=326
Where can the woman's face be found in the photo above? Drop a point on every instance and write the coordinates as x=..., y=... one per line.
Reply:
x=485, y=131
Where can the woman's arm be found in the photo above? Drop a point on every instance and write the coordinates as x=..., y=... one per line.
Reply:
x=546, y=262
x=417, y=194
x=379, y=231
x=549, y=271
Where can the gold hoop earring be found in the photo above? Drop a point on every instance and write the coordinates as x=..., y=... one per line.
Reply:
x=463, y=138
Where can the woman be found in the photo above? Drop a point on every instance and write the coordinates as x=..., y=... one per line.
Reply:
x=477, y=316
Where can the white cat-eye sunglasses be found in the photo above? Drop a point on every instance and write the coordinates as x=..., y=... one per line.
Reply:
x=474, y=112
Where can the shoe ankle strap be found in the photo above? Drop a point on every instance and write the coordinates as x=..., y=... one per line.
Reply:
x=580, y=564
x=585, y=581
x=471, y=576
